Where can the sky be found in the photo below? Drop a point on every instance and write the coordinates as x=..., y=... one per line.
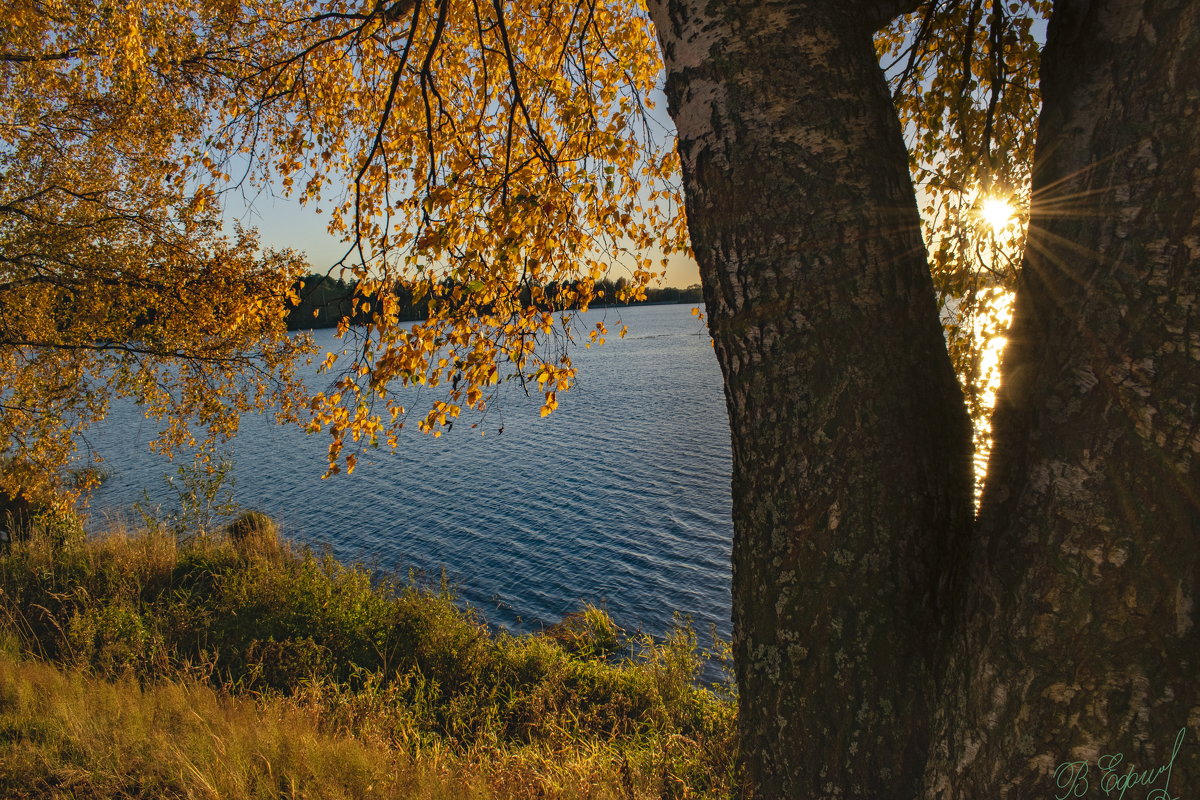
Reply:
x=284, y=222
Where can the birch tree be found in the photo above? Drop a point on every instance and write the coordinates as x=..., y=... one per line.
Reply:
x=889, y=641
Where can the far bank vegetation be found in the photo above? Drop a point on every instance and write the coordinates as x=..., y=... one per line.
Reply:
x=326, y=300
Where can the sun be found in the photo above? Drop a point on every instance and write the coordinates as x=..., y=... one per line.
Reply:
x=997, y=213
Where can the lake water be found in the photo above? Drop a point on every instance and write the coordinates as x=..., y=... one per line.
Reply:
x=621, y=497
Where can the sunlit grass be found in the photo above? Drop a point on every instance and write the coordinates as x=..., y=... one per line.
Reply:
x=139, y=665
x=65, y=734
x=70, y=735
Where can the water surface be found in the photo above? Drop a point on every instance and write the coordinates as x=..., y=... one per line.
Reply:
x=621, y=497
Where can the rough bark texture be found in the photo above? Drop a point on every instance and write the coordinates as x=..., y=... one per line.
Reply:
x=1081, y=640
x=851, y=459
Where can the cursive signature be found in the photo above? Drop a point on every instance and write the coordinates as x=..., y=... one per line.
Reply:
x=1072, y=776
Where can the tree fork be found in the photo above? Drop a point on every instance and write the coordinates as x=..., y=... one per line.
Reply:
x=1080, y=639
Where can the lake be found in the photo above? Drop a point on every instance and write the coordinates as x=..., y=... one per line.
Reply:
x=620, y=498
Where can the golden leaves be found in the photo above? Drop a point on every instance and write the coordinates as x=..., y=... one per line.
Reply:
x=486, y=159
x=494, y=171
x=965, y=85
x=115, y=278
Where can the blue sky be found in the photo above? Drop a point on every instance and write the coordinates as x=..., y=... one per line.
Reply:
x=284, y=222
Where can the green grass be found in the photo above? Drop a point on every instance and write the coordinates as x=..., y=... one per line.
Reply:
x=141, y=666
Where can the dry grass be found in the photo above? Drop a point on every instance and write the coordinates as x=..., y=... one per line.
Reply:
x=137, y=666
x=64, y=734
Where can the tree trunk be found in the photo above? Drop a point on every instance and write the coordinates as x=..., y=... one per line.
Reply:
x=851, y=445
x=1080, y=640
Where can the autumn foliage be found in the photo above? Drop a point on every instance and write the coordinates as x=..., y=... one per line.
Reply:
x=965, y=85
x=116, y=279
x=470, y=153
x=473, y=153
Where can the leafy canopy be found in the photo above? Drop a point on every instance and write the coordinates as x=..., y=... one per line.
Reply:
x=494, y=160
x=115, y=277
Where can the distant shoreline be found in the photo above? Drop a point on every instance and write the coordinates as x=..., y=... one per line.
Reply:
x=325, y=302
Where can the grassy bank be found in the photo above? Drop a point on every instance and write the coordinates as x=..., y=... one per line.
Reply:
x=135, y=665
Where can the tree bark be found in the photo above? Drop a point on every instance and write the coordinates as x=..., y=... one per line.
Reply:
x=851, y=445
x=1080, y=639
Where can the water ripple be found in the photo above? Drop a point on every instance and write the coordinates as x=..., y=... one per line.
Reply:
x=621, y=497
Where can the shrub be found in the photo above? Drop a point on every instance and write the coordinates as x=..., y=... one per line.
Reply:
x=589, y=632
x=21, y=517
x=110, y=638
x=255, y=535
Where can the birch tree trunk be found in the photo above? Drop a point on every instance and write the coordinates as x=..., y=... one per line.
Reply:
x=1081, y=638
x=851, y=445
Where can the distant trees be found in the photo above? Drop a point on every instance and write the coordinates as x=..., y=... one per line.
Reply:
x=324, y=301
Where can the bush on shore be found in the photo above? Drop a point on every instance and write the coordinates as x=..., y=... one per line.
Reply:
x=384, y=663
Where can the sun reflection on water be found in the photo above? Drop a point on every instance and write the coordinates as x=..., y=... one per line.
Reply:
x=990, y=329
x=992, y=228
